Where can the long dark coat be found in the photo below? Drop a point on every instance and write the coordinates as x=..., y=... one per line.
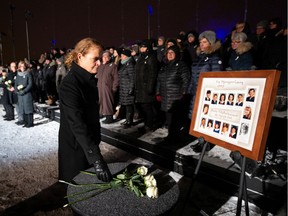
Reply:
x=12, y=94
x=207, y=61
x=127, y=82
x=79, y=133
x=172, y=83
x=25, y=102
x=145, y=78
x=108, y=83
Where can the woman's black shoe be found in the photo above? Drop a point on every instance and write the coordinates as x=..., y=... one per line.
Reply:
x=8, y=119
x=20, y=122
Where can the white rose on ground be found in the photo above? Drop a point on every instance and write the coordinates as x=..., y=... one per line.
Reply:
x=152, y=192
x=142, y=170
x=150, y=181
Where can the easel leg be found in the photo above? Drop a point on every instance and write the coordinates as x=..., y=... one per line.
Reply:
x=242, y=190
x=194, y=178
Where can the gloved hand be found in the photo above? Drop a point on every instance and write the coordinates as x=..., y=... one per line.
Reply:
x=102, y=170
x=21, y=93
x=158, y=98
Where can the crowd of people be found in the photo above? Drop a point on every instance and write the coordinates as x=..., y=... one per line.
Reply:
x=155, y=80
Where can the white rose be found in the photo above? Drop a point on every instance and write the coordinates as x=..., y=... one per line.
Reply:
x=152, y=192
x=142, y=170
x=9, y=82
x=20, y=87
x=6, y=83
x=150, y=181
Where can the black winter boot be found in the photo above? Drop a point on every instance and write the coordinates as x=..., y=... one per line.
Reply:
x=108, y=120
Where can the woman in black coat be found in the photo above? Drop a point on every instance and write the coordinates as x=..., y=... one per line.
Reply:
x=126, y=85
x=79, y=133
x=172, y=83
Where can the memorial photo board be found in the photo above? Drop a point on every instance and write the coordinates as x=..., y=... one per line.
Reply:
x=233, y=109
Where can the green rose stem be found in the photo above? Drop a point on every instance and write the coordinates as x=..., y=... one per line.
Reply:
x=137, y=183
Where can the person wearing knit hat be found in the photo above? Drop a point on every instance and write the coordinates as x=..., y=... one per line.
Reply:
x=176, y=50
x=172, y=82
x=126, y=86
x=108, y=82
x=209, y=35
x=170, y=42
x=207, y=59
x=126, y=52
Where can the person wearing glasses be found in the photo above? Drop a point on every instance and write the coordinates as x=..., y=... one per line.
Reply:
x=240, y=57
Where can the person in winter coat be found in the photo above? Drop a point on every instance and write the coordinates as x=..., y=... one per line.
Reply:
x=240, y=56
x=49, y=72
x=5, y=85
x=145, y=84
x=172, y=83
x=208, y=59
x=60, y=72
x=108, y=82
x=79, y=132
x=23, y=87
x=12, y=73
x=126, y=85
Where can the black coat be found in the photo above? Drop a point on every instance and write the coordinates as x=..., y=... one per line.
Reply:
x=79, y=133
x=172, y=83
x=145, y=78
x=127, y=82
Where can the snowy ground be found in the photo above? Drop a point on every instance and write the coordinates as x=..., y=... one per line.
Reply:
x=28, y=164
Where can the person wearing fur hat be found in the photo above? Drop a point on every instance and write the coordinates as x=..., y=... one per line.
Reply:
x=126, y=86
x=108, y=82
x=145, y=84
x=172, y=82
x=240, y=56
x=208, y=59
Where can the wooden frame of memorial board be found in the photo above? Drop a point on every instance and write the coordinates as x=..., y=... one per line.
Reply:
x=233, y=109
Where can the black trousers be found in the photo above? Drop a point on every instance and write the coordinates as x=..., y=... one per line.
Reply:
x=147, y=111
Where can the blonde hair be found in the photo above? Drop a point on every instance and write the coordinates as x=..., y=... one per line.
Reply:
x=82, y=47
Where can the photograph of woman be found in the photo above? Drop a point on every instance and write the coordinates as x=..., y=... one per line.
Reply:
x=230, y=100
x=222, y=99
x=233, y=132
x=247, y=113
x=205, y=109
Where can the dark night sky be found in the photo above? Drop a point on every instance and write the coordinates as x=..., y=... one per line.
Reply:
x=116, y=21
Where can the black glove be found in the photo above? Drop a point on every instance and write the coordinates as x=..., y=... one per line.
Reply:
x=102, y=171
x=21, y=93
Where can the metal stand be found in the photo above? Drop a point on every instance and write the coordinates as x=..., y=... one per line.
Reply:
x=242, y=185
x=195, y=176
x=242, y=190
